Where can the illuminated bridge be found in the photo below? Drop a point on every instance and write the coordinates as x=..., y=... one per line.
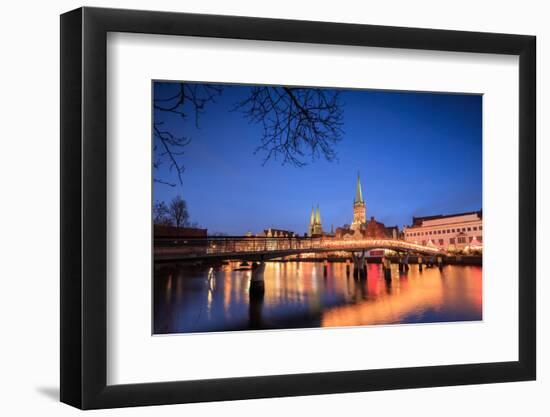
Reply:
x=265, y=248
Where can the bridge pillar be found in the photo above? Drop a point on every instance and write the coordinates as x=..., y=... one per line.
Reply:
x=355, y=267
x=359, y=269
x=440, y=262
x=257, y=286
x=387, y=268
x=420, y=261
x=404, y=263
x=347, y=267
x=325, y=267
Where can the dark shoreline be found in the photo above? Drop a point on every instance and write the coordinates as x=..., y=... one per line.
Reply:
x=446, y=260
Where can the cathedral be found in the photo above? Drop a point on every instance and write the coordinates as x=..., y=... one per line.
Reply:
x=359, y=228
x=359, y=209
x=315, y=227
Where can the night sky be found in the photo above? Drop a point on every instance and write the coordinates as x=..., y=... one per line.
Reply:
x=418, y=154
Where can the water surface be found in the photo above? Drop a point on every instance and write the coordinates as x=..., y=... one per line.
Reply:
x=191, y=299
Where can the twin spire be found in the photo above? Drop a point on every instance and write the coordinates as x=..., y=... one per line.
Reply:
x=315, y=227
x=315, y=217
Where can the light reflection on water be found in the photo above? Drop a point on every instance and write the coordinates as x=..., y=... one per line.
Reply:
x=297, y=295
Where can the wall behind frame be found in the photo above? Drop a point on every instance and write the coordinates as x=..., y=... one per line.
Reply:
x=29, y=176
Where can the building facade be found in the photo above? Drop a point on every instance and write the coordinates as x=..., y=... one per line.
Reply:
x=271, y=232
x=462, y=231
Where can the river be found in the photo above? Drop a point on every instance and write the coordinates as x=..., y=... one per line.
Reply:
x=190, y=299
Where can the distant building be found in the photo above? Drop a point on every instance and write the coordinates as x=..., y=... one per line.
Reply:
x=186, y=239
x=392, y=232
x=164, y=232
x=362, y=228
x=315, y=226
x=271, y=232
x=452, y=232
x=376, y=229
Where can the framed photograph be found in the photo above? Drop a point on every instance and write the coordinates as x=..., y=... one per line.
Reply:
x=257, y=208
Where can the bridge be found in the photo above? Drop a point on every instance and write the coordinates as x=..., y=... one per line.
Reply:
x=244, y=248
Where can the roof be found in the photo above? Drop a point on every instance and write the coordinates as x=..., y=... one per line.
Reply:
x=417, y=221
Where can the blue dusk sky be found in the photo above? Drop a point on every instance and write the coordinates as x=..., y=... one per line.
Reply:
x=418, y=154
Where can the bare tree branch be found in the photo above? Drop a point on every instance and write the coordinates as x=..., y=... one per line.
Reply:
x=298, y=123
x=188, y=99
x=161, y=214
x=177, y=210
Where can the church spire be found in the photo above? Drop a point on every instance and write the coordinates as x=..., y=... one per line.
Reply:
x=359, y=208
x=315, y=227
x=318, y=215
x=358, y=192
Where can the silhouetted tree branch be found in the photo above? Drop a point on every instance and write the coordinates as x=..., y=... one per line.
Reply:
x=161, y=214
x=297, y=123
x=189, y=99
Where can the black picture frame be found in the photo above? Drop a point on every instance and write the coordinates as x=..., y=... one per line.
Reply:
x=84, y=207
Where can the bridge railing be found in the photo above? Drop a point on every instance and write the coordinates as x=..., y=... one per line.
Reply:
x=258, y=244
x=226, y=245
x=214, y=245
x=372, y=243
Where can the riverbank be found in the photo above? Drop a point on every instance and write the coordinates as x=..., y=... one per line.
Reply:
x=446, y=260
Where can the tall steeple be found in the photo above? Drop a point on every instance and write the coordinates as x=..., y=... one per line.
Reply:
x=358, y=192
x=359, y=208
x=312, y=217
x=318, y=215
